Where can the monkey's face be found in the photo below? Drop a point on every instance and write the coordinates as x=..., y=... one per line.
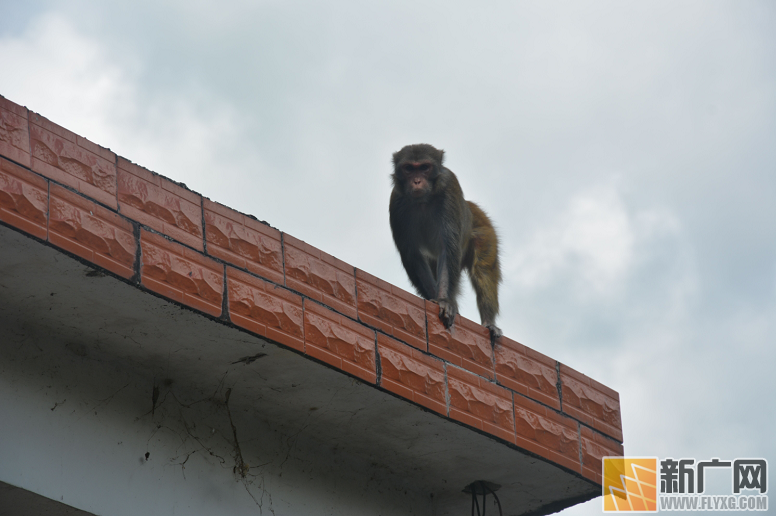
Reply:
x=417, y=177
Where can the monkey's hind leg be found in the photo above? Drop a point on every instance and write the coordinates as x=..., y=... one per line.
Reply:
x=485, y=269
x=486, y=288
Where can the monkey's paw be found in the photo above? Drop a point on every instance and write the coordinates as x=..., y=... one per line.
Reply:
x=495, y=332
x=447, y=312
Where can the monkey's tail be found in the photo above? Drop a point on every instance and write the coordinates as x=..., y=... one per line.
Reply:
x=485, y=271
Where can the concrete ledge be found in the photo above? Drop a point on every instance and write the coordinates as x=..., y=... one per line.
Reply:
x=15, y=501
x=154, y=248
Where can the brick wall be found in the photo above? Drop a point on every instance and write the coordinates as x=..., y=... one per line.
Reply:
x=163, y=238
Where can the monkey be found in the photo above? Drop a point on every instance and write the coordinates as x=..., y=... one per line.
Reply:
x=438, y=234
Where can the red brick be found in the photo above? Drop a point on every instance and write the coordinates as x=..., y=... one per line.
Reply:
x=181, y=274
x=607, y=391
x=340, y=342
x=243, y=241
x=14, y=132
x=573, y=373
x=532, y=376
x=529, y=444
x=266, y=309
x=595, y=447
x=537, y=425
x=69, y=159
x=92, y=232
x=393, y=310
x=320, y=276
x=590, y=402
x=411, y=374
x=467, y=345
x=480, y=403
x=23, y=199
x=160, y=204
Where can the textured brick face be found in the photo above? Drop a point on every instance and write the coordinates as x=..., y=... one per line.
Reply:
x=160, y=204
x=181, y=274
x=467, y=345
x=526, y=371
x=411, y=374
x=590, y=402
x=542, y=431
x=242, y=241
x=23, y=199
x=320, y=276
x=595, y=447
x=339, y=341
x=266, y=309
x=92, y=232
x=391, y=309
x=14, y=132
x=481, y=404
x=69, y=159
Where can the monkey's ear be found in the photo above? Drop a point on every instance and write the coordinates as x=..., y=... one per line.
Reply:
x=441, y=156
x=395, y=158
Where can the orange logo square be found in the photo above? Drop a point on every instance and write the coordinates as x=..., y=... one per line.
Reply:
x=630, y=484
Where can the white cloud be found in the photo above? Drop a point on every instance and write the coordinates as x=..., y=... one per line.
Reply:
x=71, y=79
x=594, y=240
x=60, y=74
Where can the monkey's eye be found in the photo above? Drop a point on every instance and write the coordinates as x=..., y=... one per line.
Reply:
x=424, y=167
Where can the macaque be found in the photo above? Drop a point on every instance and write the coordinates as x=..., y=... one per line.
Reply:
x=438, y=233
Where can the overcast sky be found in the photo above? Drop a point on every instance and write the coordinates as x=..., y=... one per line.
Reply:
x=626, y=152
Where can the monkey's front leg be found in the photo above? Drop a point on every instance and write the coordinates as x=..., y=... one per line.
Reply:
x=419, y=273
x=448, y=307
x=447, y=312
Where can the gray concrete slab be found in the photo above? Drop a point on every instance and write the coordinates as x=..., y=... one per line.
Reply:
x=58, y=315
x=15, y=501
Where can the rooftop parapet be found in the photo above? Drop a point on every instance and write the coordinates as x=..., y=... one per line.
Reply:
x=153, y=235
